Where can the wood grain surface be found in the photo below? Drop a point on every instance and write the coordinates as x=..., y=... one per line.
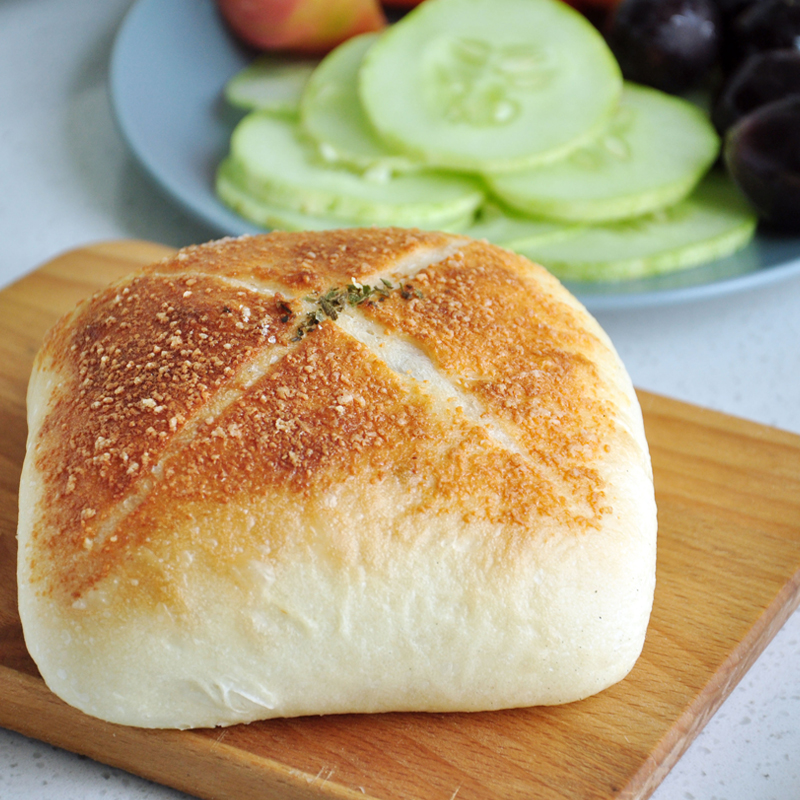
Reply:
x=728, y=493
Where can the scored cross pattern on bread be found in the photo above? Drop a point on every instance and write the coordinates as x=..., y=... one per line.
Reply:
x=457, y=461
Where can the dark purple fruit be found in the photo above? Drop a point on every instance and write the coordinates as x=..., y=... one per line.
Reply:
x=765, y=25
x=762, y=79
x=669, y=44
x=728, y=9
x=762, y=153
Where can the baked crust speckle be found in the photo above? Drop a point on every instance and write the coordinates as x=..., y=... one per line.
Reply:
x=210, y=431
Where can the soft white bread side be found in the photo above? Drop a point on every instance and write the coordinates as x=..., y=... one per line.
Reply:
x=256, y=488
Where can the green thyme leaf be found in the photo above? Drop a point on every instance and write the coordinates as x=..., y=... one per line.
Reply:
x=330, y=304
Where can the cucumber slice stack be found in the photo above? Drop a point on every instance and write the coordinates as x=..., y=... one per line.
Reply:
x=271, y=161
x=231, y=187
x=653, y=153
x=503, y=119
x=507, y=228
x=711, y=223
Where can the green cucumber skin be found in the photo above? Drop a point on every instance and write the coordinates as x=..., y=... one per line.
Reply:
x=633, y=268
x=274, y=217
x=326, y=204
x=274, y=166
x=655, y=152
x=579, y=83
x=712, y=223
x=507, y=229
x=595, y=212
x=331, y=113
x=267, y=216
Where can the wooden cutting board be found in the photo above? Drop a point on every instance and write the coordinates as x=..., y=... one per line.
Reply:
x=728, y=577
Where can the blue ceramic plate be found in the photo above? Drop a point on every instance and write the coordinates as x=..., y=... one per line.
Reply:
x=170, y=62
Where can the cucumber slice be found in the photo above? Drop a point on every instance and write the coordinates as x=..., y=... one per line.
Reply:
x=508, y=229
x=713, y=222
x=276, y=166
x=489, y=85
x=270, y=84
x=653, y=154
x=332, y=115
x=272, y=217
x=230, y=191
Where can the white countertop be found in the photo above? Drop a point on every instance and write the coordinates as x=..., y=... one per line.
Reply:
x=67, y=179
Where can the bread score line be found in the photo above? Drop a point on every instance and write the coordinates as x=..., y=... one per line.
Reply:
x=328, y=472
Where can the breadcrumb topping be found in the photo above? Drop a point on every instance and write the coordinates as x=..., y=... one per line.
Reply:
x=142, y=364
x=304, y=261
x=135, y=365
x=525, y=355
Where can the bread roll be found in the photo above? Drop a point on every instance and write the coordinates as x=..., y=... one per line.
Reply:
x=341, y=471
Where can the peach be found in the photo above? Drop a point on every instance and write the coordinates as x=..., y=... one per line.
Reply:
x=311, y=27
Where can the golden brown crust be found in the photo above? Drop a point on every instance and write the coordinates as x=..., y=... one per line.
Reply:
x=332, y=472
x=134, y=366
x=149, y=357
x=306, y=260
x=527, y=357
x=330, y=414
